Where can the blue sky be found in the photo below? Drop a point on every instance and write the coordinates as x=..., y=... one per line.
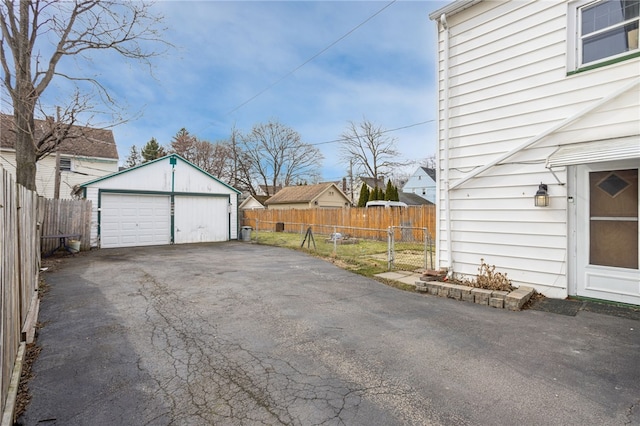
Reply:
x=228, y=52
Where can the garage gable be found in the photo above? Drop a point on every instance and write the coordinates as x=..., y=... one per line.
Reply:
x=169, y=173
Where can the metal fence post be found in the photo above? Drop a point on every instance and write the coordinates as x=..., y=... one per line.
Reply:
x=426, y=248
x=390, y=254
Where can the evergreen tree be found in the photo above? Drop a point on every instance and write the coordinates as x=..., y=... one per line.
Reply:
x=396, y=194
x=364, y=196
x=388, y=194
x=373, y=194
x=152, y=150
x=134, y=158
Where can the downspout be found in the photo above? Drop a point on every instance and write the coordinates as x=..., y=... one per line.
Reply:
x=445, y=140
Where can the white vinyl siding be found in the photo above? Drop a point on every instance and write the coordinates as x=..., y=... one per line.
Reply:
x=508, y=84
x=84, y=169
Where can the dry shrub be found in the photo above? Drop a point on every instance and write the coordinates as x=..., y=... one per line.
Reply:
x=489, y=279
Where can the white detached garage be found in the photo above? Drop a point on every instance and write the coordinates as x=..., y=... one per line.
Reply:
x=164, y=201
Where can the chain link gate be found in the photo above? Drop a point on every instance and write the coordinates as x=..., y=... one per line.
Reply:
x=409, y=249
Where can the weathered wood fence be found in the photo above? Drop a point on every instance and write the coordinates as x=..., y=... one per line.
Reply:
x=19, y=274
x=66, y=217
x=354, y=217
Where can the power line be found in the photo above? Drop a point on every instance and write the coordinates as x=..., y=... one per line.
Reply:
x=384, y=131
x=311, y=58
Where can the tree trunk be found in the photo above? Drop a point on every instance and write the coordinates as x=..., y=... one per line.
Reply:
x=25, y=149
x=24, y=101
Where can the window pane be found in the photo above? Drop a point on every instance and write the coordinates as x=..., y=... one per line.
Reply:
x=609, y=43
x=608, y=13
x=603, y=15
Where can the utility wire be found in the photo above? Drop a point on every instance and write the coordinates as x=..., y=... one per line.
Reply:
x=311, y=58
x=384, y=131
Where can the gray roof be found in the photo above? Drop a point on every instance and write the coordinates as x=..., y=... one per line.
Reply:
x=430, y=172
x=412, y=199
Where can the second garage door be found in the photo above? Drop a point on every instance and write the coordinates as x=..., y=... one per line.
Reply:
x=201, y=219
x=128, y=220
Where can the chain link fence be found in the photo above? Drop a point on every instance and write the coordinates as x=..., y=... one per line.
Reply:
x=393, y=248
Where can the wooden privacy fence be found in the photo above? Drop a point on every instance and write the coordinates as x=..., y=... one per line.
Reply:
x=19, y=274
x=66, y=217
x=355, y=217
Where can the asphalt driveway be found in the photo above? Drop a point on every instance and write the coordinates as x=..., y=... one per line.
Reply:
x=240, y=334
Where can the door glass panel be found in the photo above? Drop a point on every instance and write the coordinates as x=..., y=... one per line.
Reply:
x=614, y=218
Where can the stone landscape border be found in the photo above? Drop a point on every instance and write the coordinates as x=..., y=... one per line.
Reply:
x=512, y=301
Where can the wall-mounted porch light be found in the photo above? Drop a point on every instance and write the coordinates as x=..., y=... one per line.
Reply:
x=541, y=199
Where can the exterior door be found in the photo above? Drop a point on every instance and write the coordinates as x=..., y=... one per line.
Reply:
x=607, y=232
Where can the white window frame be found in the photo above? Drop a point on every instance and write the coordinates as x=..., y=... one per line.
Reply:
x=574, y=50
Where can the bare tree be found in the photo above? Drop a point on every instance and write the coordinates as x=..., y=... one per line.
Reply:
x=369, y=149
x=242, y=175
x=183, y=144
x=134, y=158
x=37, y=34
x=214, y=158
x=276, y=155
x=429, y=162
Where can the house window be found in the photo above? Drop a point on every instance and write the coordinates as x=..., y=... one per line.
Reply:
x=602, y=30
x=65, y=164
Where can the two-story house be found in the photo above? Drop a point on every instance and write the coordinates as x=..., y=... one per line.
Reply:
x=422, y=183
x=539, y=143
x=87, y=154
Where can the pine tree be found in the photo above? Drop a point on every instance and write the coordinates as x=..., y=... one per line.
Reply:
x=374, y=194
x=396, y=194
x=134, y=158
x=152, y=150
x=364, y=196
x=388, y=194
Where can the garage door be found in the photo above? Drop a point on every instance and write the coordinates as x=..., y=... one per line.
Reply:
x=201, y=219
x=128, y=220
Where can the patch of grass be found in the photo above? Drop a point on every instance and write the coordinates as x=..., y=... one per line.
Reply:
x=367, y=257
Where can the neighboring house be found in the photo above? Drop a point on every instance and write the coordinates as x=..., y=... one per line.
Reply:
x=268, y=189
x=324, y=195
x=412, y=199
x=541, y=97
x=370, y=182
x=422, y=183
x=87, y=154
x=253, y=202
x=165, y=201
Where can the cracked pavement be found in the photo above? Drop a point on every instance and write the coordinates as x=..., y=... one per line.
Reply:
x=241, y=334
